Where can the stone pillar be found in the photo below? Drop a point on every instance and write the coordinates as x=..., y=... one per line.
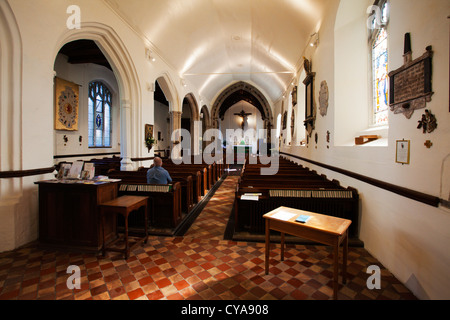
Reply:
x=125, y=136
x=175, y=124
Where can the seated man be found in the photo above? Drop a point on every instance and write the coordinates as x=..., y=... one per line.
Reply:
x=157, y=174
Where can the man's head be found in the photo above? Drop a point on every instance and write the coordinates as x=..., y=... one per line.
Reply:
x=157, y=161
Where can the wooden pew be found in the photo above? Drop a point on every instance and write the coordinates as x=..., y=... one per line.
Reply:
x=192, y=169
x=293, y=186
x=190, y=186
x=140, y=177
x=164, y=202
x=103, y=166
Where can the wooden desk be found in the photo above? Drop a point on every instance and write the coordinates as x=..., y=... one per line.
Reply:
x=124, y=205
x=324, y=229
x=68, y=214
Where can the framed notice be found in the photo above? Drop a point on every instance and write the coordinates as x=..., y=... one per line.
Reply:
x=403, y=151
x=66, y=105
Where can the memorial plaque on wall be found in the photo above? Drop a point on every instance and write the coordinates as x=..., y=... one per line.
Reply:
x=410, y=85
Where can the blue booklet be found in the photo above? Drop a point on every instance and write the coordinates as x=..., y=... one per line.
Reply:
x=302, y=219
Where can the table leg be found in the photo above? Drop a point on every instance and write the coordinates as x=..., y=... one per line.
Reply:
x=282, y=246
x=127, y=252
x=146, y=223
x=345, y=257
x=103, y=232
x=336, y=271
x=267, y=245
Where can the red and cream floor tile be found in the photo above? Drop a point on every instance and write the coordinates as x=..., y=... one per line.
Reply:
x=198, y=266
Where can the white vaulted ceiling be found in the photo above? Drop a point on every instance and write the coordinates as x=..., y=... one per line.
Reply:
x=213, y=43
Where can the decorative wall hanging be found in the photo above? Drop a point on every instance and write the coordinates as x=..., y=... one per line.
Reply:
x=310, y=110
x=323, y=98
x=66, y=105
x=292, y=124
x=284, y=121
x=294, y=96
x=402, y=153
x=428, y=122
x=410, y=85
x=328, y=139
x=149, y=139
x=428, y=144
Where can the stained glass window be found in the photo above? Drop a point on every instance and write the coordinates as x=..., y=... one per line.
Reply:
x=99, y=117
x=380, y=70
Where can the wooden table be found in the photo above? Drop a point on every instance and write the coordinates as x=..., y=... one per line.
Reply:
x=324, y=229
x=124, y=205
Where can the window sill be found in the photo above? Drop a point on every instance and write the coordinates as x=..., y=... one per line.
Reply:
x=381, y=131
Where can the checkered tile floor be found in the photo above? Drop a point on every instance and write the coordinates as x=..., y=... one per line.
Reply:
x=198, y=266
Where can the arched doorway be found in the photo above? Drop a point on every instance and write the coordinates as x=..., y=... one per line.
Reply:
x=174, y=117
x=82, y=70
x=190, y=118
x=116, y=53
x=246, y=94
x=206, y=124
x=161, y=123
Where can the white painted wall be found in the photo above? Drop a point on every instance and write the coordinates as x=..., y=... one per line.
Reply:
x=409, y=238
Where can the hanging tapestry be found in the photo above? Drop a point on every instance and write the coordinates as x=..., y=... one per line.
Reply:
x=66, y=105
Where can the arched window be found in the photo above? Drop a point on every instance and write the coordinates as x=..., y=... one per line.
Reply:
x=99, y=118
x=379, y=52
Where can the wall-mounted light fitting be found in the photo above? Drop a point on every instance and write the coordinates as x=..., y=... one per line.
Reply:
x=314, y=41
x=149, y=55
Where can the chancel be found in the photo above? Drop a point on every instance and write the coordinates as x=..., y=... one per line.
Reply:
x=248, y=118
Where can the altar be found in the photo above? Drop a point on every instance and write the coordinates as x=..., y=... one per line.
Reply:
x=243, y=149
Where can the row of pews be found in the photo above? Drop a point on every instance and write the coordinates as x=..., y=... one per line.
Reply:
x=170, y=204
x=293, y=186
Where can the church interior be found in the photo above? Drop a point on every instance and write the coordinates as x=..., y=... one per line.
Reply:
x=262, y=111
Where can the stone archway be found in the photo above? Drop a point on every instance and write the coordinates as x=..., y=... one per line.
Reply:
x=129, y=89
x=170, y=94
x=194, y=122
x=13, y=201
x=242, y=91
x=206, y=123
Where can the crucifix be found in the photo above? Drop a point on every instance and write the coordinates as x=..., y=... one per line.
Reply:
x=244, y=117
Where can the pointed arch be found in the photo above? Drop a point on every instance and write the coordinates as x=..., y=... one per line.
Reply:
x=129, y=88
x=205, y=116
x=11, y=93
x=194, y=121
x=166, y=84
x=241, y=90
x=194, y=106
